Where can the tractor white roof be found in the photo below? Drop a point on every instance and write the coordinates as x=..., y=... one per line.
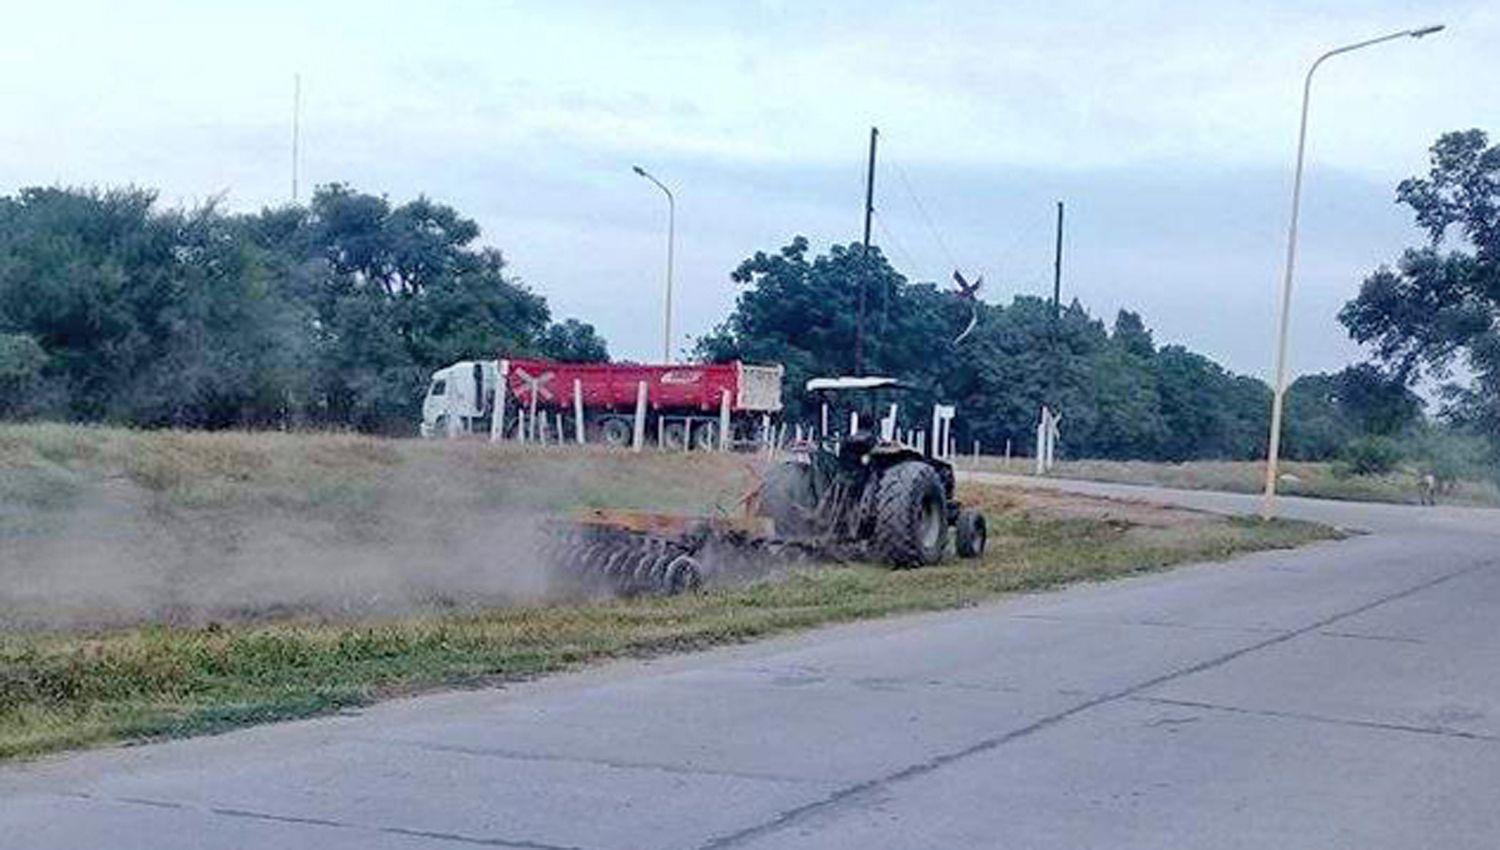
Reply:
x=868, y=383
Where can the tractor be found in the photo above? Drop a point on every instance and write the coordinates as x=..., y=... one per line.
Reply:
x=865, y=494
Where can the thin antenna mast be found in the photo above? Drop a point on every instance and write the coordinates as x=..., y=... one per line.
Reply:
x=859, y=323
x=296, y=128
x=1057, y=267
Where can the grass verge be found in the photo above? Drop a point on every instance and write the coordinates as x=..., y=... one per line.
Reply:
x=1299, y=478
x=60, y=690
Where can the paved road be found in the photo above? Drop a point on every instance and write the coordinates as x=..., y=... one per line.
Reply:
x=1344, y=695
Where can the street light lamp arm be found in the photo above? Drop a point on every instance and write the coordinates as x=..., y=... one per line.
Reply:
x=666, y=343
x=1273, y=448
x=660, y=185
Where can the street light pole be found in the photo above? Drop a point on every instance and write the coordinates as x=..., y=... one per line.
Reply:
x=666, y=336
x=1273, y=451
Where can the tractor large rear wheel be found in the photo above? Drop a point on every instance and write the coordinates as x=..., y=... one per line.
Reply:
x=911, y=522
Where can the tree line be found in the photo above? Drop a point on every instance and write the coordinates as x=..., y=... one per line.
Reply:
x=333, y=314
x=1121, y=395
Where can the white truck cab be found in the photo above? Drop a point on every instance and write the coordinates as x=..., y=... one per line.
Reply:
x=459, y=399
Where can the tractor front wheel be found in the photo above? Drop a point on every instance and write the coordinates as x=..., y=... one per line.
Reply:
x=911, y=523
x=970, y=534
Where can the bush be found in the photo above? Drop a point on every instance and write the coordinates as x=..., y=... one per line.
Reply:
x=21, y=362
x=1371, y=455
x=1452, y=456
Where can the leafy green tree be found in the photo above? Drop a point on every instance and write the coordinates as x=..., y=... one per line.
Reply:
x=1437, y=308
x=572, y=341
x=801, y=312
x=334, y=313
x=393, y=292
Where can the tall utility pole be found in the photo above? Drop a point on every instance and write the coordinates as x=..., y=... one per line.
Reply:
x=296, y=128
x=1057, y=268
x=1278, y=395
x=859, y=322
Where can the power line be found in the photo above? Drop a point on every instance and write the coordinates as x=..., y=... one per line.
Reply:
x=896, y=243
x=926, y=217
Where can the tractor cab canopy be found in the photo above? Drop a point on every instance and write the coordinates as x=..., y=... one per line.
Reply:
x=874, y=399
x=848, y=384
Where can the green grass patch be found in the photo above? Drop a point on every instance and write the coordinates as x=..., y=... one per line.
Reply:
x=61, y=690
x=1299, y=478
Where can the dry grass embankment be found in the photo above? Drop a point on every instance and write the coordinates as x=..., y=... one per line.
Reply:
x=313, y=509
x=1299, y=478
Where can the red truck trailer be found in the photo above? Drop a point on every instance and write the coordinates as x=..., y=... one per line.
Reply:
x=684, y=404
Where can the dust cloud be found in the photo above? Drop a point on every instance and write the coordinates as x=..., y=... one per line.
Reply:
x=438, y=532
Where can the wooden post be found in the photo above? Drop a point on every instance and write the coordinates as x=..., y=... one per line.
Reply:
x=687, y=434
x=724, y=420
x=497, y=414
x=578, y=411
x=640, y=417
x=562, y=436
x=825, y=420
x=1007, y=454
x=661, y=431
x=935, y=449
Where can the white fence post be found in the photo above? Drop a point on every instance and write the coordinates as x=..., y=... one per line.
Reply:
x=1041, y=442
x=853, y=422
x=562, y=436
x=531, y=416
x=825, y=420
x=639, y=437
x=724, y=420
x=578, y=411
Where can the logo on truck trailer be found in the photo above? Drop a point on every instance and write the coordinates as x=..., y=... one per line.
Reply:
x=682, y=376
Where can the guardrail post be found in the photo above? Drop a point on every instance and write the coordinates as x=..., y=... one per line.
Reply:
x=724, y=420
x=639, y=437
x=578, y=411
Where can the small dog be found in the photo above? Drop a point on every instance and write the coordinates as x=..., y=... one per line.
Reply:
x=1427, y=487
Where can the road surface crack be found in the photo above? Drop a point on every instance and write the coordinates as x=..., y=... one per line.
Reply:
x=1384, y=726
x=868, y=787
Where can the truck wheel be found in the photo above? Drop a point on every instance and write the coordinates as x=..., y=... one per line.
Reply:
x=786, y=496
x=617, y=432
x=911, y=526
x=970, y=534
x=674, y=436
x=706, y=436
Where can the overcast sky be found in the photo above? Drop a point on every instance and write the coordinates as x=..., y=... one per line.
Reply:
x=1168, y=129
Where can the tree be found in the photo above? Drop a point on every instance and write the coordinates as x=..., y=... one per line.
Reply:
x=334, y=313
x=1437, y=308
x=572, y=341
x=801, y=313
x=1119, y=396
